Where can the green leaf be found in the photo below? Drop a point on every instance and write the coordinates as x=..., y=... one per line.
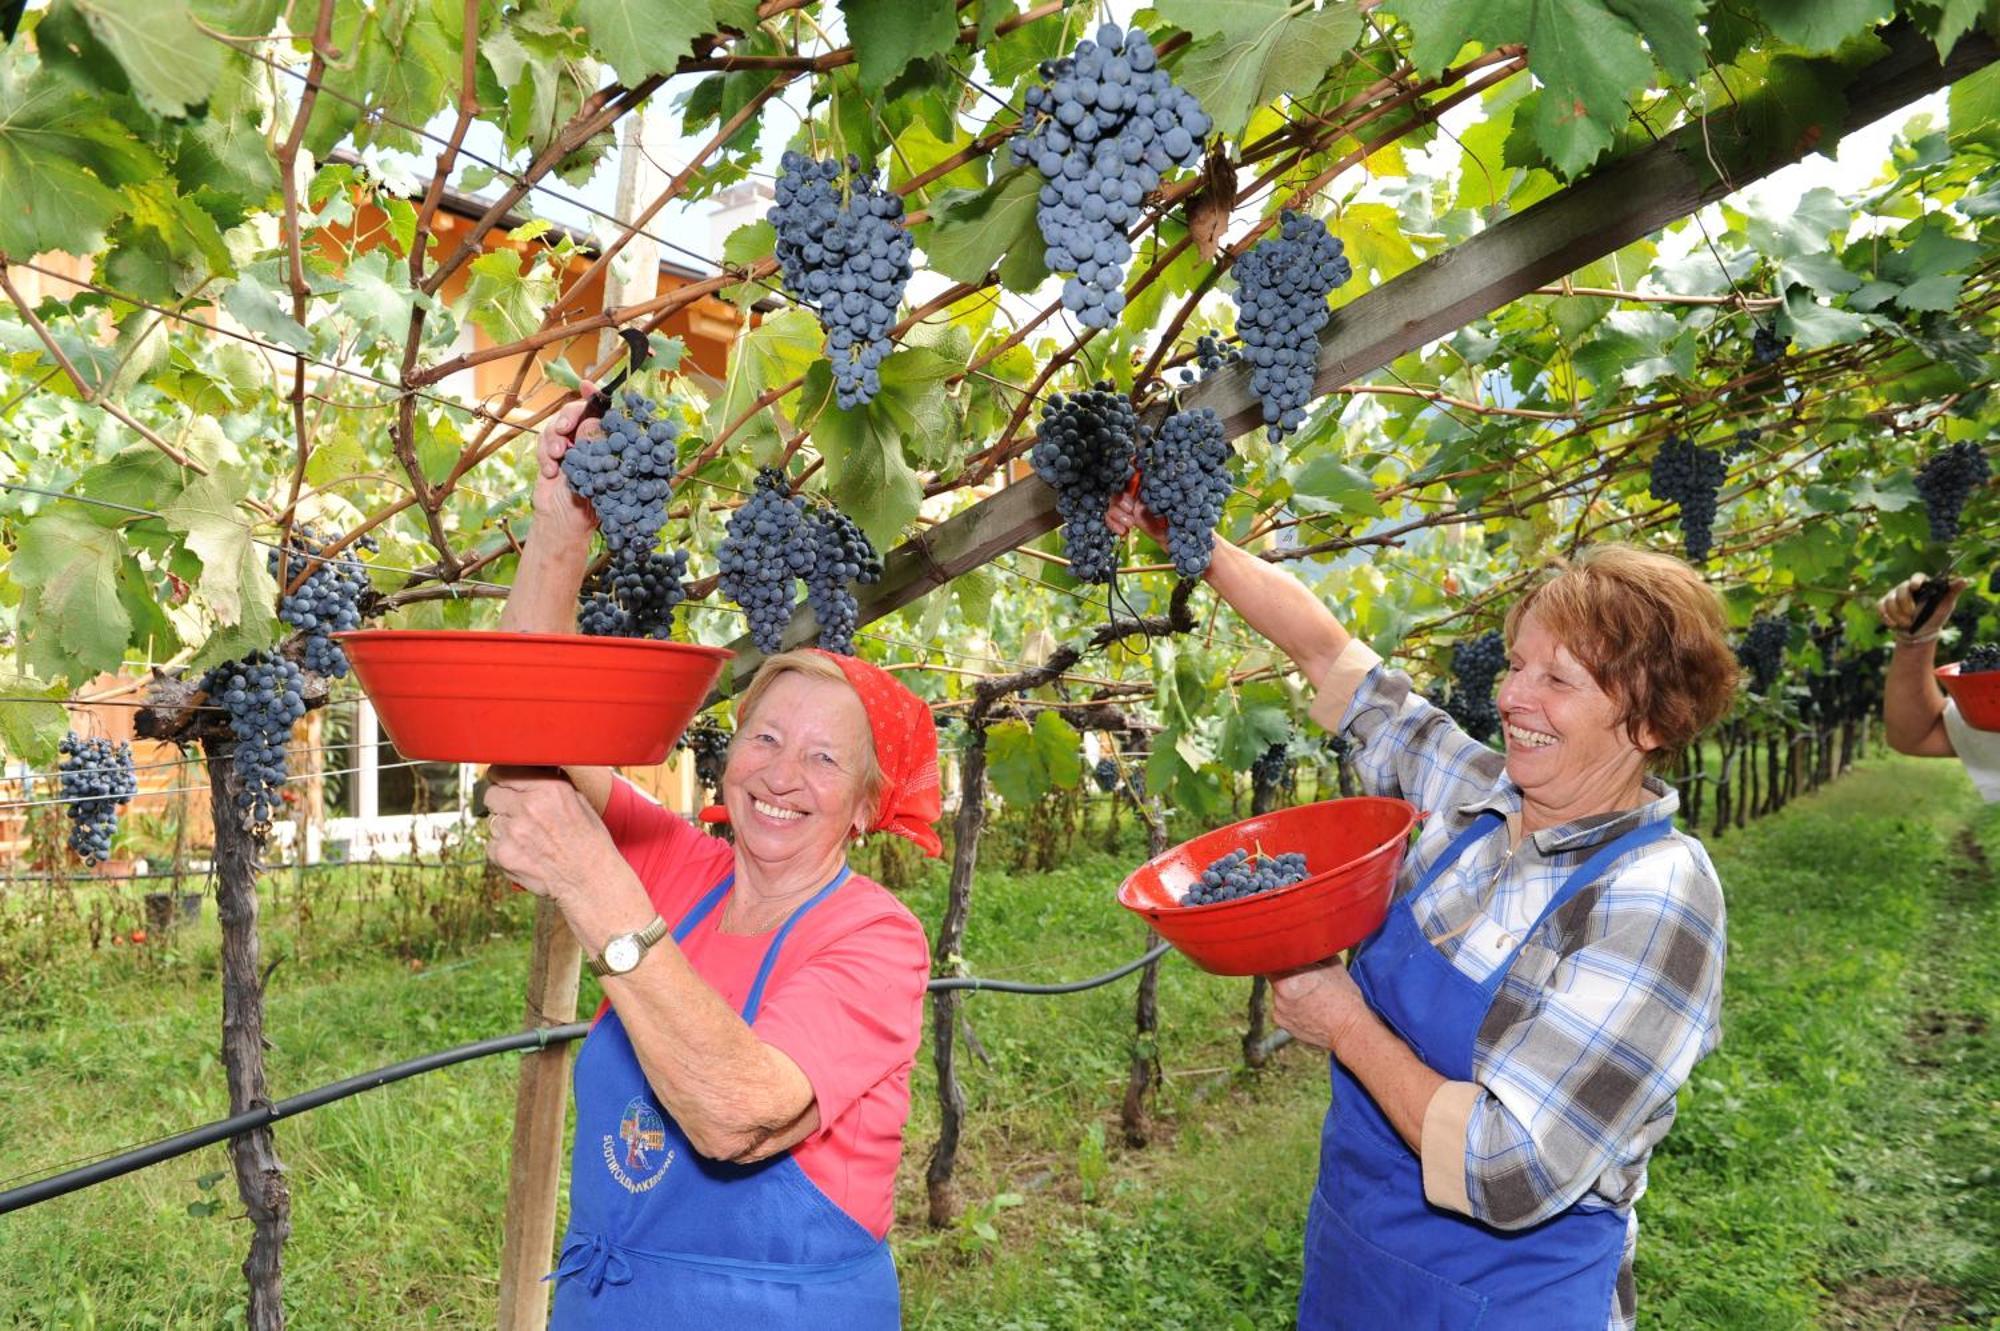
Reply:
x=889, y=34
x=750, y=242
x=139, y=477
x=1248, y=53
x=1811, y=325
x=68, y=566
x=773, y=353
x=1027, y=762
x=253, y=300
x=1250, y=729
x=1932, y=293
x=507, y=295
x=1328, y=485
x=1822, y=272
x=972, y=232
x=1974, y=103
x=64, y=160
x=870, y=476
x=30, y=730
x=1822, y=25
x=224, y=152
x=379, y=297
x=232, y=565
x=1672, y=29
x=172, y=64
x=1786, y=226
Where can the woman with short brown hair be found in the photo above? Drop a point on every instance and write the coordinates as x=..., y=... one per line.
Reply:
x=1507, y=1047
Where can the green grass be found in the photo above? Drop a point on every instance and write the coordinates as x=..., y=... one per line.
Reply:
x=1832, y=1167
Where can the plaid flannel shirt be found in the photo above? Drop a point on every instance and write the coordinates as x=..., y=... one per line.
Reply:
x=1606, y=1010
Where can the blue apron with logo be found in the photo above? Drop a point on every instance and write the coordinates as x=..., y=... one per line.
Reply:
x=1377, y=1253
x=660, y=1236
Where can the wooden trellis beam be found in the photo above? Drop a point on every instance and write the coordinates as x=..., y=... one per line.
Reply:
x=1628, y=199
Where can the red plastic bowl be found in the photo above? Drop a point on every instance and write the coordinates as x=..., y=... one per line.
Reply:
x=1977, y=695
x=534, y=699
x=1354, y=848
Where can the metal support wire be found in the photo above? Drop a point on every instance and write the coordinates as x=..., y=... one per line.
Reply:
x=208, y=1134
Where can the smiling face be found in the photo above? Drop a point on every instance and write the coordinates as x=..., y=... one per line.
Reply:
x=1567, y=745
x=795, y=783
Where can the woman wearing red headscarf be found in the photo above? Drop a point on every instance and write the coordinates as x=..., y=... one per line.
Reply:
x=740, y=1101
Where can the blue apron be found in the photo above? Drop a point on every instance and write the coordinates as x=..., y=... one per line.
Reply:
x=660, y=1236
x=1379, y=1255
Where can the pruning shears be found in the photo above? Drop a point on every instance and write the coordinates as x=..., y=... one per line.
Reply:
x=638, y=352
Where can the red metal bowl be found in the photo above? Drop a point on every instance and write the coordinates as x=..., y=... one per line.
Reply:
x=533, y=699
x=1977, y=695
x=1354, y=848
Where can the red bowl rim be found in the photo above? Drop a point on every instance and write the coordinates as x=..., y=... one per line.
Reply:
x=503, y=635
x=1412, y=812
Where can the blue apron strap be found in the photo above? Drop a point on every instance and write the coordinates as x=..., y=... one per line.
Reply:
x=1478, y=830
x=699, y=911
x=756, y=998
x=1586, y=873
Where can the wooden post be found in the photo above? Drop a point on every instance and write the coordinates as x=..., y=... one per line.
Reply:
x=541, y=1098
x=540, y=1101
x=950, y=938
x=260, y=1175
x=1144, y=1073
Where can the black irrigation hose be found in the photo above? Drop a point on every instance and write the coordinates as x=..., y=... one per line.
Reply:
x=166, y=1148
x=1073, y=987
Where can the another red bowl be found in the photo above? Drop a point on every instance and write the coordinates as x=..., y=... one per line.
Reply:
x=1354, y=848
x=533, y=699
x=1977, y=695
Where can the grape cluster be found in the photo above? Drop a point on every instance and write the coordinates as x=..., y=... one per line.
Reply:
x=1946, y=480
x=1272, y=769
x=1687, y=474
x=627, y=472
x=263, y=695
x=328, y=601
x=1281, y=291
x=1184, y=477
x=1762, y=651
x=1746, y=442
x=841, y=556
x=1241, y=874
x=763, y=555
x=1475, y=664
x=635, y=596
x=97, y=778
x=1980, y=658
x=846, y=255
x=1106, y=775
x=1210, y=355
x=1766, y=347
x=709, y=743
x=1101, y=132
x=1084, y=448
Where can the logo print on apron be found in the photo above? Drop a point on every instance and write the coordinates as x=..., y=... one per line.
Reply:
x=638, y=1156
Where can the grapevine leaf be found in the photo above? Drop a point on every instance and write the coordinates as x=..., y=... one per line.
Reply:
x=1250, y=52
x=507, y=295
x=68, y=567
x=252, y=300
x=972, y=232
x=171, y=63
x=223, y=153
x=232, y=564
x=1822, y=272
x=1811, y=325
x=238, y=18
x=64, y=158
x=1027, y=762
x=774, y=352
x=1176, y=775
x=869, y=476
x=233, y=642
x=138, y=477
x=1328, y=485
x=1251, y=728
x=1012, y=54
x=1672, y=29
x=749, y=243
x=1932, y=293
x=1785, y=227
x=889, y=34
x=31, y=730
x=1974, y=103
x=1798, y=110
x=1822, y=25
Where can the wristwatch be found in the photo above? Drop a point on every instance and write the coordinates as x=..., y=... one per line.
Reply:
x=625, y=951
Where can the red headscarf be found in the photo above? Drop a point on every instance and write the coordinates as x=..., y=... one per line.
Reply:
x=905, y=749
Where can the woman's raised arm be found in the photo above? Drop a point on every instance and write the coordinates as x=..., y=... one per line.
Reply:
x=554, y=560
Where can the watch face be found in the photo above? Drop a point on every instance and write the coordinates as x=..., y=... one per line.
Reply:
x=621, y=954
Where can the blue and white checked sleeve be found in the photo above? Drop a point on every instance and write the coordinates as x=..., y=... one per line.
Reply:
x=1404, y=745
x=1581, y=1054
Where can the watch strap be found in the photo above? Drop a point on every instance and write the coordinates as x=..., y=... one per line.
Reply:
x=645, y=937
